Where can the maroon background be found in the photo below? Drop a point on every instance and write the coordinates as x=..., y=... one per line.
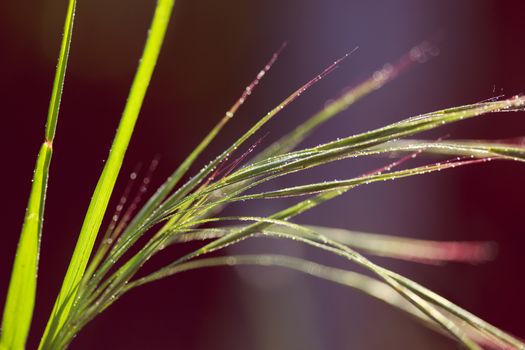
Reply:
x=212, y=50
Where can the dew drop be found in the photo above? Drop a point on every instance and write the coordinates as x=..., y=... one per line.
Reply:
x=261, y=74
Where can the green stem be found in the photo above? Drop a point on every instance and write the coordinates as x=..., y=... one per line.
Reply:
x=106, y=182
x=20, y=301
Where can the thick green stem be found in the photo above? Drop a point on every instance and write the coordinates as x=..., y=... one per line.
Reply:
x=106, y=182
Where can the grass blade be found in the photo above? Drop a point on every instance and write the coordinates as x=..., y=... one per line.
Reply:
x=357, y=181
x=355, y=144
x=104, y=188
x=377, y=80
x=359, y=145
x=181, y=197
x=410, y=290
x=18, y=310
x=401, y=284
x=167, y=206
x=396, y=247
x=112, y=286
x=128, y=237
x=299, y=233
x=365, y=284
x=468, y=148
x=418, y=250
x=460, y=313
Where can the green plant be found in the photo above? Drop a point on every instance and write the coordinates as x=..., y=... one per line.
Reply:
x=190, y=212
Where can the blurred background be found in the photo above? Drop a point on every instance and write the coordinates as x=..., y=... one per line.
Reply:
x=213, y=49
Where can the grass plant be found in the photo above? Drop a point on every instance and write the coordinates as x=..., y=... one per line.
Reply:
x=176, y=213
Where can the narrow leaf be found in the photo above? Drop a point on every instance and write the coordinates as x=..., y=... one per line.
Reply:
x=367, y=285
x=19, y=306
x=181, y=197
x=397, y=247
x=130, y=235
x=104, y=188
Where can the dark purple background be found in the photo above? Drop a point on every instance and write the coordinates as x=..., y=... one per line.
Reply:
x=213, y=49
